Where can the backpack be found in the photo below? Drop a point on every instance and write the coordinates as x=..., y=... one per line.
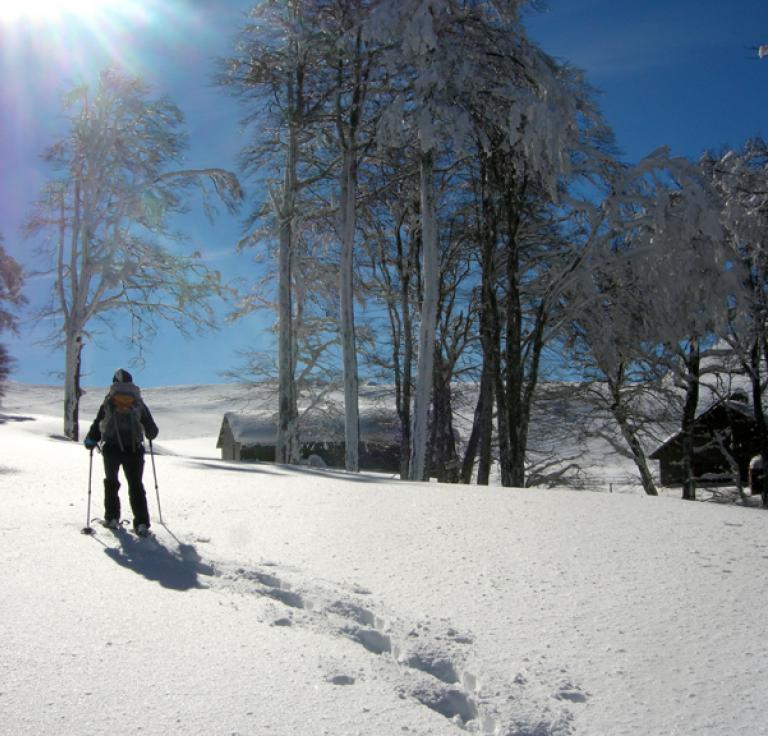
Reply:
x=121, y=424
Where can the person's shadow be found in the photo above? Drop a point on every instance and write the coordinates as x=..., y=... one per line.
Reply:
x=177, y=569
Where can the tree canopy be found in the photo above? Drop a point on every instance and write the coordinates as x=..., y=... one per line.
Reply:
x=104, y=219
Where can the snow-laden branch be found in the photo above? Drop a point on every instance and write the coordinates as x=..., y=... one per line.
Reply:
x=109, y=205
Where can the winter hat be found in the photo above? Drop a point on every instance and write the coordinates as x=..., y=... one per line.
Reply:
x=122, y=376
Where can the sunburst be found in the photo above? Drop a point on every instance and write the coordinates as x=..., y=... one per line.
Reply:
x=53, y=10
x=72, y=39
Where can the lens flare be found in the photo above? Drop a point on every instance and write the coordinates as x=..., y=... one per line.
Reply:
x=49, y=48
x=52, y=10
x=70, y=40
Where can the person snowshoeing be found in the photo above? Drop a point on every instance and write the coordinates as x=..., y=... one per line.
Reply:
x=121, y=424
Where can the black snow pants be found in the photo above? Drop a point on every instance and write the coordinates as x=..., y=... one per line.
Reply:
x=133, y=469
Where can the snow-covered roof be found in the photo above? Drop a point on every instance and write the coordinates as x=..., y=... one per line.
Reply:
x=250, y=429
x=376, y=425
x=737, y=403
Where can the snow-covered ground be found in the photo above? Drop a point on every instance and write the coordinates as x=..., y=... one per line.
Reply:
x=288, y=601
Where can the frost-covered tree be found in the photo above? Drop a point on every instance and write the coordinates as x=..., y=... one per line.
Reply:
x=355, y=61
x=455, y=344
x=452, y=59
x=317, y=376
x=106, y=217
x=650, y=290
x=524, y=187
x=681, y=267
x=393, y=279
x=304, y=70
x=415, y=34
x=11, y=298
x=280, y=71
x=740, y=179
x=390, y=276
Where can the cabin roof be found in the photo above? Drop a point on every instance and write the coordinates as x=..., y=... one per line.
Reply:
x=720, y=413
x=376, y=425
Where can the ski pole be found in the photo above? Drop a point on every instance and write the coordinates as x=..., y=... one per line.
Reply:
x=157, y=490
x=87, y=528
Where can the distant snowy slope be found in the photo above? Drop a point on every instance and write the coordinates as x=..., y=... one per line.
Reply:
x=185, y=413
x=181, y=411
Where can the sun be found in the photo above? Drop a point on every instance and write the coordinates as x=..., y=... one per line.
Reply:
x=52, y=10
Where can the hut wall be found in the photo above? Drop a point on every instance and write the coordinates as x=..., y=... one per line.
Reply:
x=262, y=453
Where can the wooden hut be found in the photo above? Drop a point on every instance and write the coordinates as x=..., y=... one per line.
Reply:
x=247, y=437
x=724, y=435
x=253, y=437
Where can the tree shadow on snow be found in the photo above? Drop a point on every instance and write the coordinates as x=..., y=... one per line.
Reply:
x=223, y=465
x=279, y=469
x=14, y=418
x=341, y=474
x=176, y=569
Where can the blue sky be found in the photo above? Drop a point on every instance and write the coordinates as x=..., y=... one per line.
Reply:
x=682, y=73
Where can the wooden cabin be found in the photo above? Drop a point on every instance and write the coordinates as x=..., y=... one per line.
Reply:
x=244, y=437
x=726, y=428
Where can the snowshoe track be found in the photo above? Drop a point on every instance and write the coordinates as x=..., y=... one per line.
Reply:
x=432, y=667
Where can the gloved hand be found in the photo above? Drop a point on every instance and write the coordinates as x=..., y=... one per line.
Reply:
x=90, y=443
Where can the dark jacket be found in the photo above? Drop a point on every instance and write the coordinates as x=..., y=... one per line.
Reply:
x=147, y=422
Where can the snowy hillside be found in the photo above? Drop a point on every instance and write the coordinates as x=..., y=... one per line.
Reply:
x=288, y=601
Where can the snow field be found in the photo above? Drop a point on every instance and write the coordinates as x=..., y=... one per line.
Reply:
x=285, y=601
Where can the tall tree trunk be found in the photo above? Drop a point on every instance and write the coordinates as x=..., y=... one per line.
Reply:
x=480, y=437
x=348, y=140
x=502, y=420
x=443, y=455
x=522, y=391
x=760, y=420
x=489, y=332
x=349, y=352
x=431, y=270
x=485, y=455
x=72, y=309
x=404, y=371
x=405, y=409
x=72, y=389
x=619, y=412
x=287, y=449
x=513, y=465
x=287, y=445
x=692, y=361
